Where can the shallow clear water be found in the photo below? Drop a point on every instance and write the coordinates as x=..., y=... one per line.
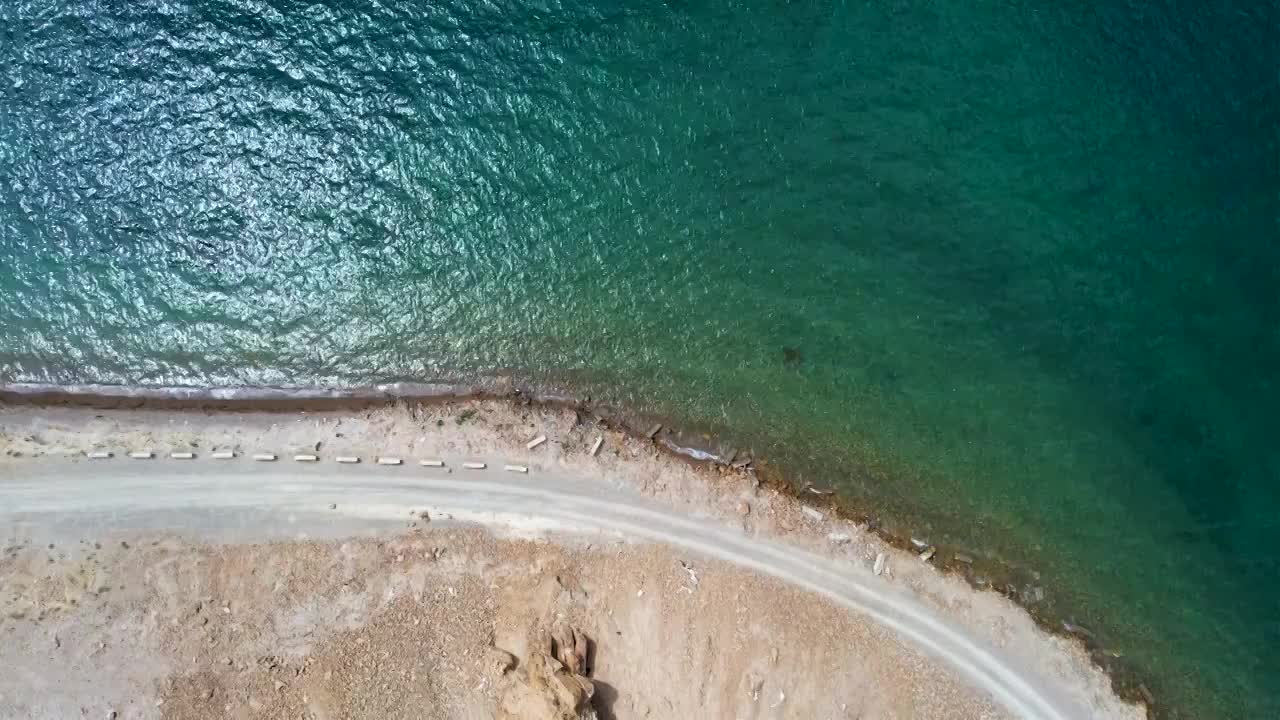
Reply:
x=1007, y=271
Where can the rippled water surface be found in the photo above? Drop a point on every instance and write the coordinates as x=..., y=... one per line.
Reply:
x=1007, y=271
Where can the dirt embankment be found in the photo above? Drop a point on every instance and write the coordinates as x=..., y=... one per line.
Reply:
x=448, y=621
x=440, y=623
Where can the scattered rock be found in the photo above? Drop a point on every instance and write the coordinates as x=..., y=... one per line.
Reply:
x=927, y=555
x=544, y=690
x=839, y=538
x=812, y=513
x=498, y=661
x=744, y=508
x=693, y=576
x=1075, y=629
x=569, y=647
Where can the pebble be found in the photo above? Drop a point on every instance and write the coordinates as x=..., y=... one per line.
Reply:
x=744, y=508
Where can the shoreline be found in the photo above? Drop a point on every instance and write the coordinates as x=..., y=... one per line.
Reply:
x=702, y=454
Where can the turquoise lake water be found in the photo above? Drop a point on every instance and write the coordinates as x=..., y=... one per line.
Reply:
x=1008, y=272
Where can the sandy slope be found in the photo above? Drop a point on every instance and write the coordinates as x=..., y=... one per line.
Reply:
x=900, y=644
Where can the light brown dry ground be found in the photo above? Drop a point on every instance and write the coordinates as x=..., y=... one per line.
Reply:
x=406, y=628
x=96, y=621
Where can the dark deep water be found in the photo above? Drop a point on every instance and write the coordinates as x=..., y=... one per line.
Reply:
x=1025, y=257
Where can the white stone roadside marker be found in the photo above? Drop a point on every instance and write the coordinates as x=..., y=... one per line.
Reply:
x=223, y=455
x=264, y=457
x=431, y=463
x=516, y=468
x=536, y=442
x=141, y=455
x=99, y=455
x=182, y=456
x=474, y=465
x=389, y=461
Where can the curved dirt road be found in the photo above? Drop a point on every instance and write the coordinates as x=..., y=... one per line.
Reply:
x=243, y=500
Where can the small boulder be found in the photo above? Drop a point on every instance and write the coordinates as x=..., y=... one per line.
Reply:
x=498, y=662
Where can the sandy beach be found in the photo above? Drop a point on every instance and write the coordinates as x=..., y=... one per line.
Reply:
x=165, y=579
